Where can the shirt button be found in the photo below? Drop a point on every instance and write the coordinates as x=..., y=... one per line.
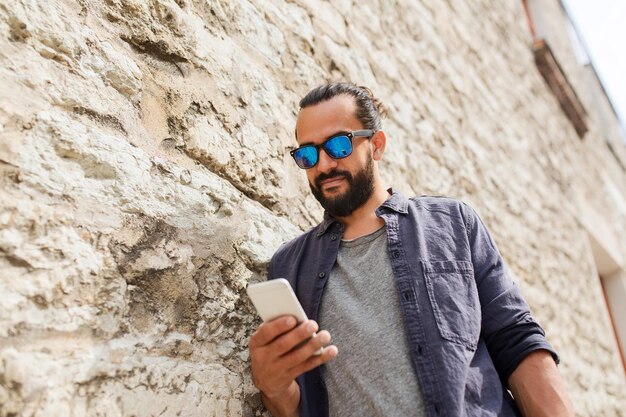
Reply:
x=321, y=274
x=333, y=237
x=337, y=225
x=396, y=254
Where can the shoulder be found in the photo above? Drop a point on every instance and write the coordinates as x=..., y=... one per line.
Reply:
x=293, y=250
x=298, y=243
x=441, y=204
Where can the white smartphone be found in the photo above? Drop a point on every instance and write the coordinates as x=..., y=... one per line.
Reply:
x=275, y=298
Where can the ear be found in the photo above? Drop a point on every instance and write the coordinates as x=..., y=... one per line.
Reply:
x=379, y=141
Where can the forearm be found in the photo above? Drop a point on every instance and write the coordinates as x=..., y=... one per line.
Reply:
x=286, y=405
x=538, y=388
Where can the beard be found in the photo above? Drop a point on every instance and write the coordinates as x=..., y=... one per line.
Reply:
x=360, y=189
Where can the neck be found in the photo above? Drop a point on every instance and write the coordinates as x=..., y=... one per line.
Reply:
x=363, y=220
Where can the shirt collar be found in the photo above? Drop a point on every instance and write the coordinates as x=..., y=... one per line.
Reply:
x=396, y=202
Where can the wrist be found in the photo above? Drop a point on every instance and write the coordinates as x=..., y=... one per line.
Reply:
x=283, y=403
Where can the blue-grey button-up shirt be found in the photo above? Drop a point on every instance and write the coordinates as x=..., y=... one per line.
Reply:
x=467, y=324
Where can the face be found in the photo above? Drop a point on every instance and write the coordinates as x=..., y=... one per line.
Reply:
x=340, y=185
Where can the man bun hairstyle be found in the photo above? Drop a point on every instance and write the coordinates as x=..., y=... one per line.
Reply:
x=369, y=110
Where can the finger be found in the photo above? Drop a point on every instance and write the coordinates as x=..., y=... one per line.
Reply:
x=314, y=361
x=292, y=339
x=270, y=330
x=306, y=350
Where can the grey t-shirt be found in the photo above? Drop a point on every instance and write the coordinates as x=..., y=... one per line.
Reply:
x=372, y=375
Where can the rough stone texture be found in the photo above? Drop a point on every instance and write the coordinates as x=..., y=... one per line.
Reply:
x=146, y=180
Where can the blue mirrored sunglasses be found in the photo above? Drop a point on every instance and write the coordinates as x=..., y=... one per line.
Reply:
x=337, y=147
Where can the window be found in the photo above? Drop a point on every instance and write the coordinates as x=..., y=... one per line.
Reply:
x=613, y=281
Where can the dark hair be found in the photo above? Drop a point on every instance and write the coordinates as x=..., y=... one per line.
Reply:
x=369, y=110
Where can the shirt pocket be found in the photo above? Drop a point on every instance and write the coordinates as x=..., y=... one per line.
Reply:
x=454, y=299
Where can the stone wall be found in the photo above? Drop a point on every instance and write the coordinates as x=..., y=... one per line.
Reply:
x=146, y=181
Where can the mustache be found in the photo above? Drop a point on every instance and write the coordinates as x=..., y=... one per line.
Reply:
x=332, y=174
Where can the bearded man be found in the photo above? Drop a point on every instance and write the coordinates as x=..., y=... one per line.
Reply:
x=414, y=292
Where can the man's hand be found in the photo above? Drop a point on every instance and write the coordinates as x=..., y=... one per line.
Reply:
x=538, y=388
x=279, y=352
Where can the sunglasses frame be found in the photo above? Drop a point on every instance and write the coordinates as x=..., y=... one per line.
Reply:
x=367, y=133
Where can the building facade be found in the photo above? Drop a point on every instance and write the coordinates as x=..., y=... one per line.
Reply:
x=146, y=181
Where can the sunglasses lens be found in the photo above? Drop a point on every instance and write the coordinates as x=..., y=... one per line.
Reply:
x=306, y=156
x=338, y=147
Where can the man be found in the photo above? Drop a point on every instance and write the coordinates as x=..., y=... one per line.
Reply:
x=414, y=292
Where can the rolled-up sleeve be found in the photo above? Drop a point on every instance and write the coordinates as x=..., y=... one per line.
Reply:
x=508, y=328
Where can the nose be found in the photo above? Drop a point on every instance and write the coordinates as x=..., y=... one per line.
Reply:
x=325, y=163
